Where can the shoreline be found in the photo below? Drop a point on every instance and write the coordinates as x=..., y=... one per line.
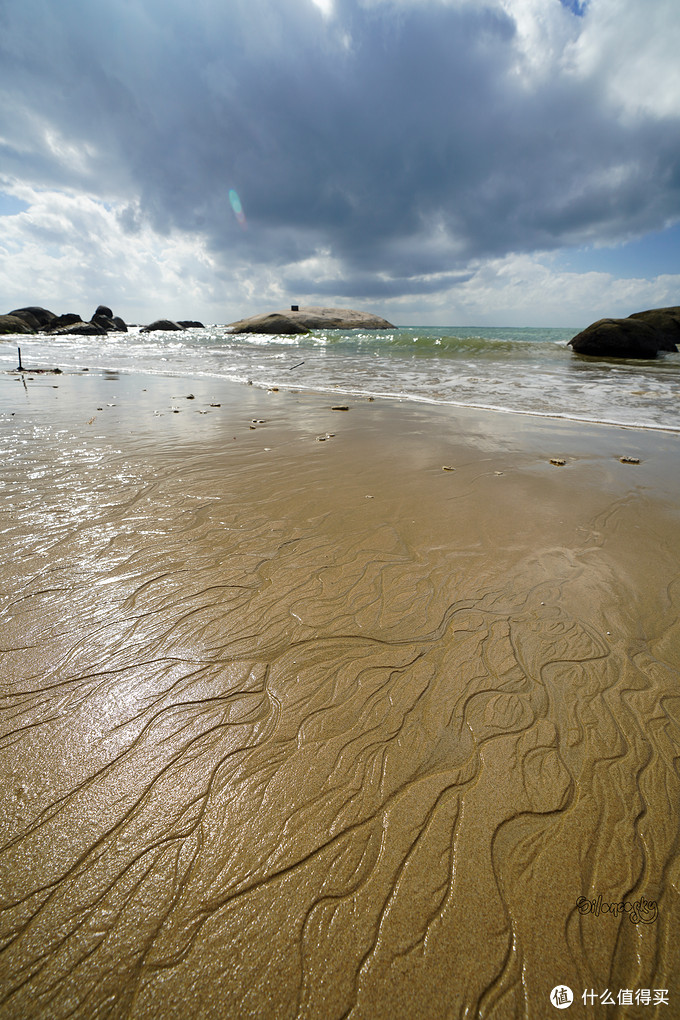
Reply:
x=362, y=395
x=305, y=709
x=541, y=380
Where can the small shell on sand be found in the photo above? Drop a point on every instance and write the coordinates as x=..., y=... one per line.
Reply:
x=447, y=467
x=558, y=461
x=629, y=460
x=340, y=407
x=324, y=437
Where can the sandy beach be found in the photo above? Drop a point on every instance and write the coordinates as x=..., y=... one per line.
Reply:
x=367, y=713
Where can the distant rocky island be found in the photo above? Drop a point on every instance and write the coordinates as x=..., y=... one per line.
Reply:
x=34, y=319
x=641, y=335
x=301, y=320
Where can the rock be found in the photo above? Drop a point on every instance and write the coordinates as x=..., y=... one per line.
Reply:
x=274, y=322
x=161, y=324
x=641, y=335
x=79, y=329
x=338, y=318
x=190, y=324
x=301, y=320
x=108, y=324
x=104, y=321
x=35, y=316
x=14, y=324
x=64, y=320
x=666, y=321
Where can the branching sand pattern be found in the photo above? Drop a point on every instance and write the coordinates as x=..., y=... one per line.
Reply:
x=262, y=763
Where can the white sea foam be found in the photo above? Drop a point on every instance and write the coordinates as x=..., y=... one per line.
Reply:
x=511, y=370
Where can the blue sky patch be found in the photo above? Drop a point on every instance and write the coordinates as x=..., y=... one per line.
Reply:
x=577, y=7
x=10, y=206
x=650, y=256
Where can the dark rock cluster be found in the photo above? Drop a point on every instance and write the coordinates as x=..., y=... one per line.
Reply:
x=641, y=335
x=35, y=319
x=167, y=324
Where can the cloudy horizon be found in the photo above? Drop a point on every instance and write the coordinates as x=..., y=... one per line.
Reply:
x=506, y=162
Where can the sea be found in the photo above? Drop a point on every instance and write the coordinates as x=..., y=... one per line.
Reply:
x=529, y=371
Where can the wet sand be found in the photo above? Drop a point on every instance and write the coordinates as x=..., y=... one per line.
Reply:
x=296, y=723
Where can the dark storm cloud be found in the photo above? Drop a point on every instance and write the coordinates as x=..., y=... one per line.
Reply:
x=396, y=138
x=376, y=287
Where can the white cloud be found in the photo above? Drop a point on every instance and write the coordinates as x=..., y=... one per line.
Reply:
x=544, y=29
x=529, y=290
x=632, y=49
x=70, y=252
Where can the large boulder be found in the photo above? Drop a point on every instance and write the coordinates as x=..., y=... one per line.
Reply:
x=641, y=335
x=36, y=317
x=273, y=323
x=190, y=324
x=67, y=319
x=301, y=320
x=666, y=322
x=109, y=324
x=161, y=324
x=14, y=324
x=79, y=329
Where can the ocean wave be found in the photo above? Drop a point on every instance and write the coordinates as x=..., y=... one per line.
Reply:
x=511, y=370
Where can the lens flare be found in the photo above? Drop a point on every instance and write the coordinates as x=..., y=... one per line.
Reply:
x=235, y=203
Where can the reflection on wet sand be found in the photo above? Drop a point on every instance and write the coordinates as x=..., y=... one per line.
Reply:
x=330, y=757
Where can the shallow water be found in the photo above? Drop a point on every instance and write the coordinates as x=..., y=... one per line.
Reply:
x=514, y=370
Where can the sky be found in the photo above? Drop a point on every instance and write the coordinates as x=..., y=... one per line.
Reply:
x=438, y=162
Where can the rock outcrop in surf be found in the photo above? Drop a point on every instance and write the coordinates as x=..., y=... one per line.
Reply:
x=301, y=320
x=165, y=324
x=35, y=319
x=641, y=335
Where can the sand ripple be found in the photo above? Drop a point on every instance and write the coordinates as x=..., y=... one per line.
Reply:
x=283, y=757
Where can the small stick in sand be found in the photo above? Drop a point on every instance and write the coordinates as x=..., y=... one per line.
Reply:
x=21, y=368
